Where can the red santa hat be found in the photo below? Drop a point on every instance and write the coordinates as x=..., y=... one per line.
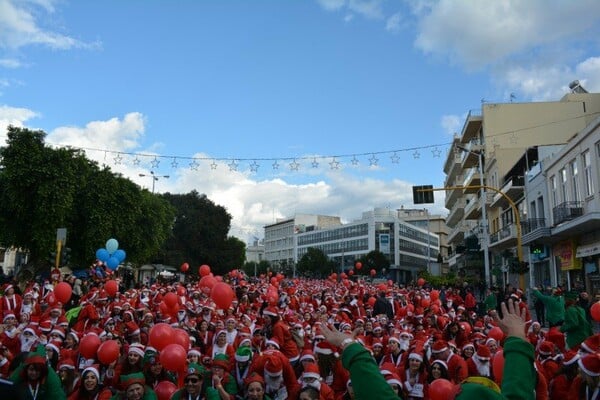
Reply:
x=307, y=354
x=195, y=351
x=546, y=348
x=94, y=369
x=439, y=346
x=326, y=348
x=590, y=364
x=393, y=379
x=484, y=353
x=273, y=366
x=273, y=342
x=54, y=345
x=271, y=311
x=67, y=364
x=591, y=344
x=570, y=357
x=311, y=371
x=415, y=356
x=137, y=348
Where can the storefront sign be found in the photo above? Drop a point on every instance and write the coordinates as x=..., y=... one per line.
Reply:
x=587, y=250
x=565, y=251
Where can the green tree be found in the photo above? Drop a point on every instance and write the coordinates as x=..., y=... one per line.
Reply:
x=42, y=189
x=261, y=267
x=376, y=260
x=315, y=263
x=200, y=234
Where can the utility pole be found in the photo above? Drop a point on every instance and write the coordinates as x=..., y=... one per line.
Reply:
x=154, y=178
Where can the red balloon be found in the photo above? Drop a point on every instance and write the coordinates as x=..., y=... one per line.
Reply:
x=173, y=357
x=358, y=265
x=185, y=267
x=373, y=272
x=272, y=298
x=204, y=270
x=108, y=352
x=111, y=287
x=420, y=282
x=434, y=295
x=181, y=337
x=63, y=292
x=496, y=333
x=351, y=272
x=343, y=275
x=161, y=335
x=88, y=347
x=498, y=366
x=435, y=308
x=164, y=390
x=164, y=309
x=181, y=291
x=595, y=311
x=382, y=287
x=425, y=303
x=206, y=283
x=280, y=277
x=171, y=299
x=441, y=389
x=222, y=294
x=466, y=327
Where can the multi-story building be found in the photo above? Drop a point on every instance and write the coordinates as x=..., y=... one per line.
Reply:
x=562, y=228
x=279, y=237
x=409, y=248
x=255, y=252
x=492, y=150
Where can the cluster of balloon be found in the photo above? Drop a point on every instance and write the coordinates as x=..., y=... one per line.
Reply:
x=88, y=346
x=164, y=390
x=171, y=344
x=62, y=292
x=111, y=287
x=184, y=267
x=496, y=334
x=111, y=255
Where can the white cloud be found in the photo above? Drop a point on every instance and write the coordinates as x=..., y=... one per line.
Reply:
x=371, y=9
x=332, y=5
x=451, y=124
x=19, y=27
x=10, y=63
x=394, y=23
x=114, y=134
x=13, y=116
x=477, y=34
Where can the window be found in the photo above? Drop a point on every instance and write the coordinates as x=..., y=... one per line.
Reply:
x=554, y=190
x=563, y=185
x=574, y=178
x=587, y=172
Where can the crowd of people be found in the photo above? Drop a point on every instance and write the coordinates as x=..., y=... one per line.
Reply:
x=303, y=339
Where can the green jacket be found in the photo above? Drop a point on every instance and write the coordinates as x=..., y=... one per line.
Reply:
x=51, y=389
x=367, y=381
x=229, y=385
x=576, y=326
x=490, y=302
x=555, y=307
x=519, y=376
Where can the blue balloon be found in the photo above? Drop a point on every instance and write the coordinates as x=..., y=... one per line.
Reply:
x=102, y=255
x=112, y=263
x=120, y=255
x=112, y=245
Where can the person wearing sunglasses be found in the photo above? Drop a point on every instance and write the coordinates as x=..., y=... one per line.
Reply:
x=193, y=384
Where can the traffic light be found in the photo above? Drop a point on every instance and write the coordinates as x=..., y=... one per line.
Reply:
x=65, y=256
x=423, y=194
x=537, y=249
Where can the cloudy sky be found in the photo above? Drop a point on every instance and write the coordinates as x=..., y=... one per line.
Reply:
x=273, y=108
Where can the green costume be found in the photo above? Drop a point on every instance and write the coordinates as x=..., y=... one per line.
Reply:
x=576, y=326
x=49, y=389
x=555, y=307
x=490, y=302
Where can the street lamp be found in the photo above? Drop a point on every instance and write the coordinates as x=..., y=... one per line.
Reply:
x=486, y=234
x=154, y=178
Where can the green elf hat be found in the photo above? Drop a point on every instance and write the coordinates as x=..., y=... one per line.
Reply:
x=130, y=379
x=243, y=354
x=195, y=369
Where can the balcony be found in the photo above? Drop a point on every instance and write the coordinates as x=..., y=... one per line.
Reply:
x=504, y=238
x=473, y=179
x=456, y=213
x=472, y=126
x=456, y=235
x=473, y=209
x=535, y=230
x=470, y=156
x=512, y=188
x=567, y=211
x=452, y=195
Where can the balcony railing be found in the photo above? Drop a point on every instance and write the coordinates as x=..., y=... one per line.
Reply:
x=532, y=224
x=506, y=232
x=567, y=211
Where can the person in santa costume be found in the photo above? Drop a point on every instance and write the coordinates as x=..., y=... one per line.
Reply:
x=10, y=301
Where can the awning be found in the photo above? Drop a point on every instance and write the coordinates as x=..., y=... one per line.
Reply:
x=588, y=250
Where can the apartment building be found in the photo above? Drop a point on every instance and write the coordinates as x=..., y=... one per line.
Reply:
x=494, y=149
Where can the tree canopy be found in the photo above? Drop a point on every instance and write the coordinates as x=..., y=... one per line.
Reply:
x=315, y=263
x=43, y=188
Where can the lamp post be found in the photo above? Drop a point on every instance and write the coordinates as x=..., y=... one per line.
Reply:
x=154, y=178
x=486, y=234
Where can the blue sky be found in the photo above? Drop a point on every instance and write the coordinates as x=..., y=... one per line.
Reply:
x=255, y=102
